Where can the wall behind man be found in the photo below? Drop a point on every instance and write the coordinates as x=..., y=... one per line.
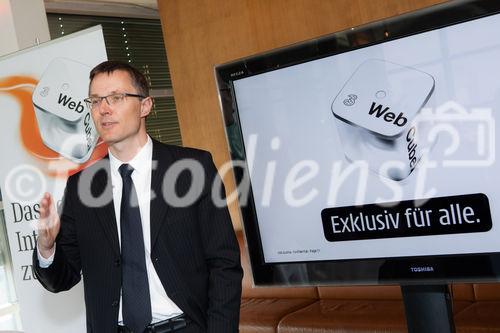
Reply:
x=200, y=34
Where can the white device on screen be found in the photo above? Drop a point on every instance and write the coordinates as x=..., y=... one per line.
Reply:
x=376, y=114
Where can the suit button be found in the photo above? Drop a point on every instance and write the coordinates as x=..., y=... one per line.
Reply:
x=157, y=259
x=117, y=262
x=115, y=304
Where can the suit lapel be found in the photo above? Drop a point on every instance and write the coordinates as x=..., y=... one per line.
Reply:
x=161, y=160
x=101, y=187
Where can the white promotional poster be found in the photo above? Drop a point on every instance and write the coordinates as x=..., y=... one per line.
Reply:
x=385, y=151
x=47, y=134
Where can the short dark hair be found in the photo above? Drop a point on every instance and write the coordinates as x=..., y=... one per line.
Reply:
x=138, y=79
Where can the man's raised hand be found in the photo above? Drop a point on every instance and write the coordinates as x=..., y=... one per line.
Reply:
x=48, y=226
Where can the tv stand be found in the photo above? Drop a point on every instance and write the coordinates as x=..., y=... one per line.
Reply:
x=428, y=308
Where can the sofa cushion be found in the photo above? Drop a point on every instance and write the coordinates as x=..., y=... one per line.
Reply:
x=480, y=317
x=262, y=315
x=342, y=316
x=353, y=316
x=487, y=291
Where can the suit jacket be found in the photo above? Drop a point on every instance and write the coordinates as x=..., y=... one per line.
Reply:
x=193, y=248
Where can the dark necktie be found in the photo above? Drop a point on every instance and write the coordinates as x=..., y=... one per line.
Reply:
x=136, y=306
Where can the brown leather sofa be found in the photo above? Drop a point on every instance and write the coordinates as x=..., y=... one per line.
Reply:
x=356, y=309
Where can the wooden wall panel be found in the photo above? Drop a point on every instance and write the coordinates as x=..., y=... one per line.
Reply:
x=200, y=34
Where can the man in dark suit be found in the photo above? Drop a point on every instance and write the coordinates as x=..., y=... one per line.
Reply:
x=144, y=226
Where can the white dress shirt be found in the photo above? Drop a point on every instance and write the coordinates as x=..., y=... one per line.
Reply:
x=162, y=306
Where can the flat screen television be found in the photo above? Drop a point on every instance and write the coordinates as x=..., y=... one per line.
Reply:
x=368, y=156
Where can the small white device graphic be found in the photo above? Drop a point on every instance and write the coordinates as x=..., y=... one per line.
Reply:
x=375, y=113
x=63, y=118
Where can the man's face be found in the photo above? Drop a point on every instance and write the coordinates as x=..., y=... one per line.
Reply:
x=120, y=122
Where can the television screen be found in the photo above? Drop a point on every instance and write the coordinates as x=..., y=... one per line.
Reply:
x=369, y=156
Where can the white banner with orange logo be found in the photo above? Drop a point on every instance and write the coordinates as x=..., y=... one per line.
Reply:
x=46, y=134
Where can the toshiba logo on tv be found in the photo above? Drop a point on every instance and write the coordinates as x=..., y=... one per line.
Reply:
x=420, y=269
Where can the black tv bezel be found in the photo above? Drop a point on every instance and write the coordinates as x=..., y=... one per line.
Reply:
x=484, y=267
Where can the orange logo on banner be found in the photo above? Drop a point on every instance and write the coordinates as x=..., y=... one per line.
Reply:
x=54, y=165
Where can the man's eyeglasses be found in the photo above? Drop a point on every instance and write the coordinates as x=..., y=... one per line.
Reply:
x=113, y=99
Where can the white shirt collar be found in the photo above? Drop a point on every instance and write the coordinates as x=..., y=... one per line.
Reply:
x=140, y=162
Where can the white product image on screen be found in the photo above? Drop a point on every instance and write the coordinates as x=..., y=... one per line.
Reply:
x=376, y=114
x=63, y=118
